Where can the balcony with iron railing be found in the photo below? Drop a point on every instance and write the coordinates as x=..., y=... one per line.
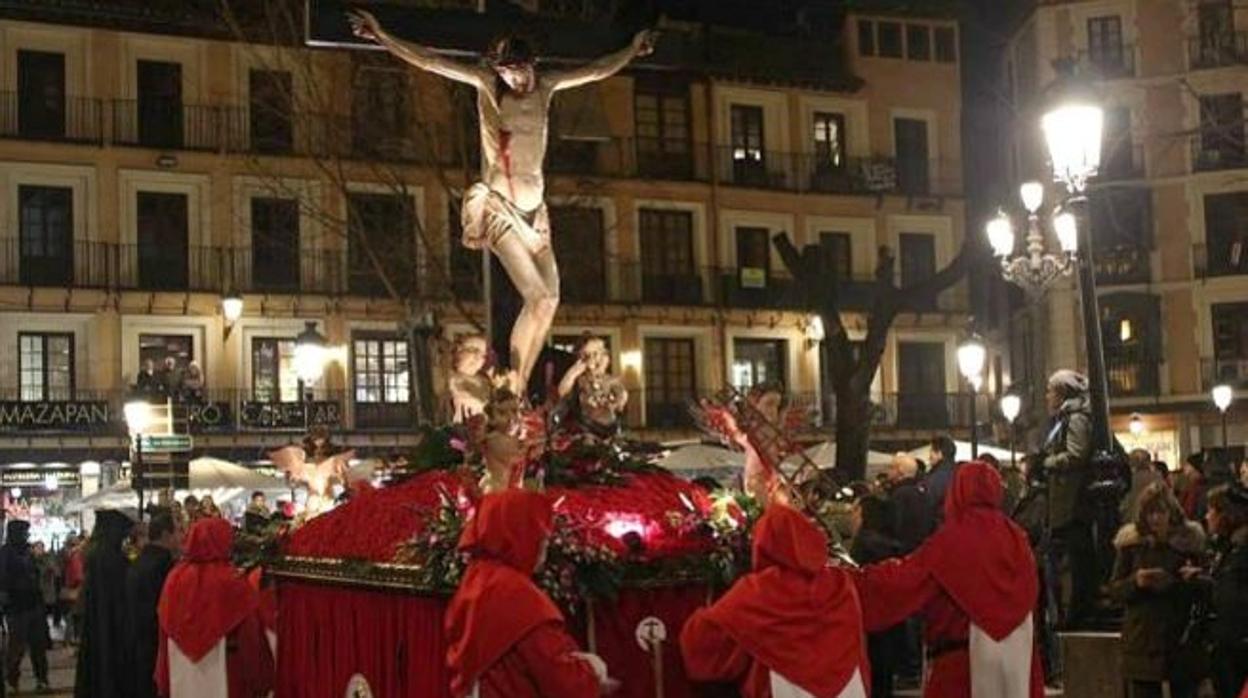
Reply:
x=1110, y=62
x=1227, y=370
x=1217, y=50
x=68, y=119
x=1123, y=264
x=1224, y=151
x=810, y=173
x=1225, y=262
x=1132, y=372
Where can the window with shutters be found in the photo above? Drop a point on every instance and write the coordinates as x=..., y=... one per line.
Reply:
x=580, y=239
x=273, y=374
x=671, y=380
x=1221, y=132
x=1105, y=50
x=668, y=272
x=381, y=377
x=46, y=225
x=46, y=366
x=380, y=244
x=748, y=155
x=918, y=42
x=1226, y=234
x=756, y=361
x=661, y=113
x=270, y=115
x=275, y=244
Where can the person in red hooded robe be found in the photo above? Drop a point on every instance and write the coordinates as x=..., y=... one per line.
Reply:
x=974, y=584
x=212, y=639
x=792, y=628
x=506, y=638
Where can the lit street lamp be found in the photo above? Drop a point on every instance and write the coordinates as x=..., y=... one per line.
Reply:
x=971, y=357
x=1011, y=405
x=138, y=415
x=311, y=351
x=1072, y=128
x=1222, y=397
x=1136, y=425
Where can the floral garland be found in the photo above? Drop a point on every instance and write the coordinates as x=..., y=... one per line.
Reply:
x=577, y=568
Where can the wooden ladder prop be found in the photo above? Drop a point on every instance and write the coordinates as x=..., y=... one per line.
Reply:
x=765, y=435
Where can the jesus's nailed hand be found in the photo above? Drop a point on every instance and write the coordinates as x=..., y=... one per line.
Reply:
x=644, y=41
x=364, y=24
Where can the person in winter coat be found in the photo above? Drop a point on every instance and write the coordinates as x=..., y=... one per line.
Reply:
x=24, y=611
x=144, y=582
x=791, y=628
x=1066, y=462
x=874, y=542
x=1158, y=603
x=912, y=510
x=975, y=584
x=505, y=637
x=1226, y=587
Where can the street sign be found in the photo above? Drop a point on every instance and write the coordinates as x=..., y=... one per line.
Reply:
x=165, y=443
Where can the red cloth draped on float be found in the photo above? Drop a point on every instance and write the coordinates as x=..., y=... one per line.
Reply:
x=504, y=633
x=205, y=600
x=977, y=568
x=793, y=615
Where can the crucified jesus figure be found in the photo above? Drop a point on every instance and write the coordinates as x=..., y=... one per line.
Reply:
x=506, y=211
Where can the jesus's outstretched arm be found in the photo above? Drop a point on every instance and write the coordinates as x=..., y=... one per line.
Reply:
x=366, y=26
x=608, y=65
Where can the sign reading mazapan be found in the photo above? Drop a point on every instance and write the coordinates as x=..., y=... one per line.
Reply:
x=70, y=415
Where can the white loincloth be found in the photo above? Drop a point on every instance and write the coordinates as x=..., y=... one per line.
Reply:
x=1001, y=669
x=783, y=688
x=203, y=679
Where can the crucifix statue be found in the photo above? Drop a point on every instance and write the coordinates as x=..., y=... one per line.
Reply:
x=506, y=211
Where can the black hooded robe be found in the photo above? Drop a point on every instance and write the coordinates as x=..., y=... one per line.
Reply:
x=104, y=669
x=143, y=585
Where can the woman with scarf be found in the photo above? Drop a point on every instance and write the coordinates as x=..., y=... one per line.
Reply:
x=212, y=640
x=1150, y=552
x=792, y=628
x=506, y=638
x=974, y=584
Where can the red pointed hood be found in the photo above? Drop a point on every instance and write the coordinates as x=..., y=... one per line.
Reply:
x=205, y=597
x=793, y=613
x=980, y=557
x=497, y=603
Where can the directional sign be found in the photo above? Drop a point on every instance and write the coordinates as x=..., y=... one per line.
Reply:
x=165, y=443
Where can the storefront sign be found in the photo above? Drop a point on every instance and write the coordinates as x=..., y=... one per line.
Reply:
x=37, y=477
x=290, y=415
x=209, y=416
x=55, y=416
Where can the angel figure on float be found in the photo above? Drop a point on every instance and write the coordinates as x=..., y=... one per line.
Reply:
x=469, y=385
x=597, y=398
x=506, y=211
x=316, y=468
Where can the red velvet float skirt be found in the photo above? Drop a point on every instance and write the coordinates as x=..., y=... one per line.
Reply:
x=327, y=634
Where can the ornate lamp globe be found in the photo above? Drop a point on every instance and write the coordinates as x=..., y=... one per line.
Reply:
x=1011, y=405
x=1222, y=396
x=311, y=349
x=1073, y=127
x=971, y=357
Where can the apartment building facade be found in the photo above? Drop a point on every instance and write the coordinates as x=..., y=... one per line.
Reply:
x=151, y=166
x=1167, y=211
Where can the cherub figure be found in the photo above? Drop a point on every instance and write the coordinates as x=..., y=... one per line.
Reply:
x=598, y=398
x=502, y=446
x=469, y=385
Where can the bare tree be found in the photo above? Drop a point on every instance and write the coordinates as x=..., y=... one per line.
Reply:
x=850, y=371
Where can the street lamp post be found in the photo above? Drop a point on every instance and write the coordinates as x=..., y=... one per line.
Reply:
x=971, y=357
x=1072, y=130
x=311, y=349
x=138, y=415
x=1011, y=405
x=1222, y=397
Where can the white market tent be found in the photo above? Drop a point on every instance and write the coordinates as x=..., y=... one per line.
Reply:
x=697, y=459
x=964, y=452
x=223, y=480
